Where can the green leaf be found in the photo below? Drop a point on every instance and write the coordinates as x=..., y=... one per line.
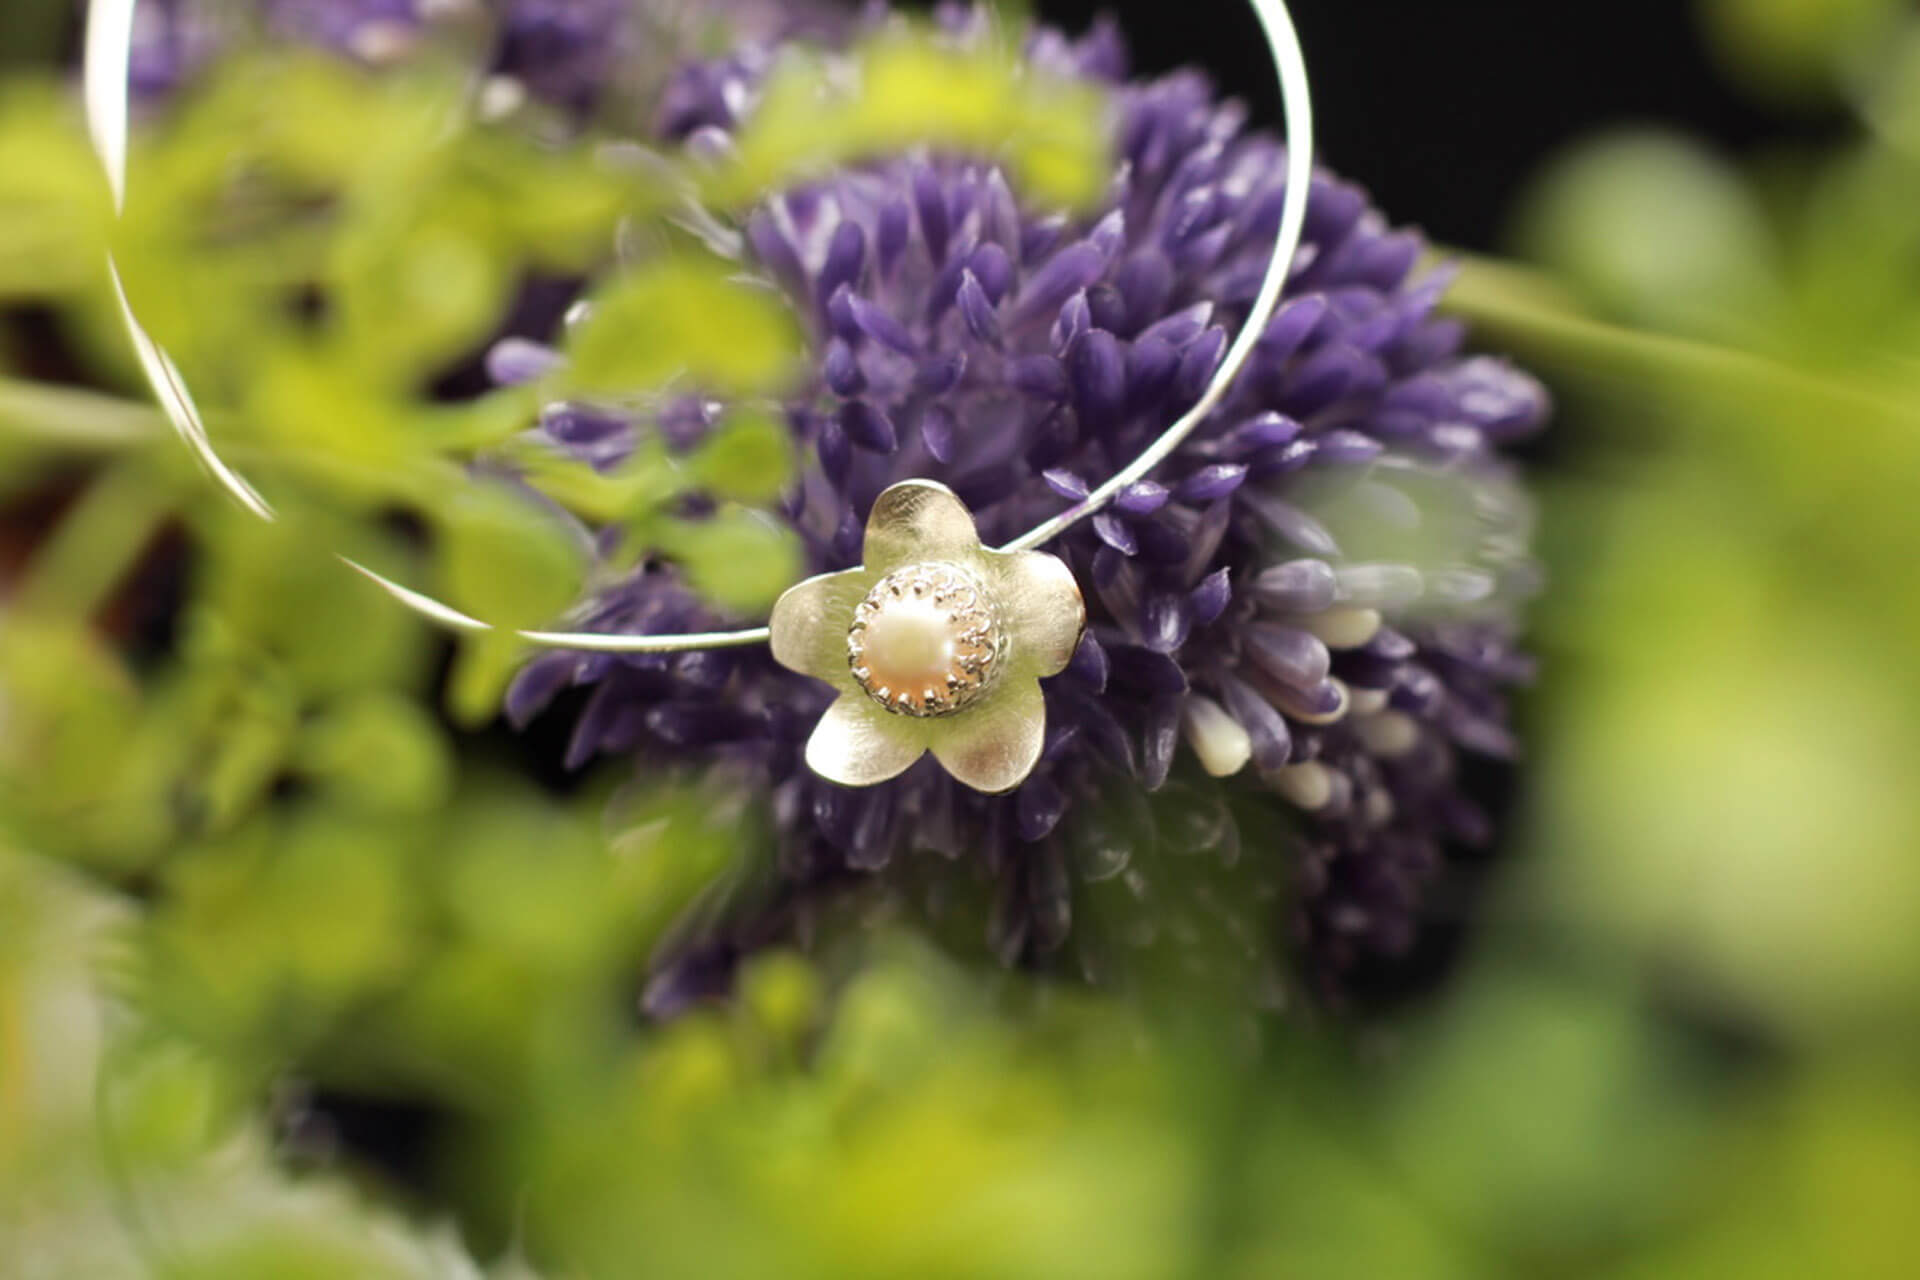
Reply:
x=1795, y=49
x=483, y=667
x=248, y=727
x=377, y=751
x=556, y=909
x=1660, y=231
x=71, y=775
x=99, y=541
x=629, y=494
x=42, y=417
x=318, y=903
x=165, y=1103
x=53, y=197
x=416, y=301
x=279, y=593
x=683, y=321
x=504, y=558
x=916, y=91
x=749, y=458
x=511, y=563
x=740, y=559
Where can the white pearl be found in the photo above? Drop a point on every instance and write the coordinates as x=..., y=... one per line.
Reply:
x=911, y=644
x=925, y=641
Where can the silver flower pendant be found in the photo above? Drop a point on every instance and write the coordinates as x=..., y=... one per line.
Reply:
x=936, y=643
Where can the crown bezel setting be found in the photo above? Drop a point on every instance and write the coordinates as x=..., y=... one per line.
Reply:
x=949, y=607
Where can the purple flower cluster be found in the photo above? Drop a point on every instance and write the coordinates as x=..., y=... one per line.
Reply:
x=174, y=39
x=1296, y=628
x=568, y=53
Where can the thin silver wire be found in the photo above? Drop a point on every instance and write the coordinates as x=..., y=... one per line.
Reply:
x=1297, y=101
x=108, y=56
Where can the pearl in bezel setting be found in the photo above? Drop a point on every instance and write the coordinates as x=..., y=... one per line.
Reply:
x=926, y=641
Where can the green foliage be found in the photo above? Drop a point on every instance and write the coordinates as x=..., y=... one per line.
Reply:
x=914, y=92
x=1660, y=231
x=739, y=559
x=1796, y=50
x=278, y=645
x=250, y=859
x=749, y=458
x=313, y=244
x=1732, y=800
x=53, y=206
x=682, y=319
x=1041, y=1171
x=126, y=1151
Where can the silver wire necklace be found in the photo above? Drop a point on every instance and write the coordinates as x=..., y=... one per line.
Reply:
x=934, y=642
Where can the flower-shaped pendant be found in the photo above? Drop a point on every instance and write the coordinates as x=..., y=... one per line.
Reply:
x=936, y=644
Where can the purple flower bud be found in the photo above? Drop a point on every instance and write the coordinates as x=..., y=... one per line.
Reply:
x=1030, y=366
x=1291, y=325
x=976, y=308
x=1144, y=281
x=1040, y=376
x=1116, y=533
x=1166, y=620
x=1288, y=654
x=1106, y=309
x=890, y=240
x=1059, y=278
x=994, y=270
x=1314, y=703
x=1197, y=364
x=537, y=684
x=774, y=250
x=846, y=255
x=930, y=201
x=1210, y=599
x=1342, y=447
x=1152, y=364
x=1076, y=317
x=1290, y=522
x=1272, y=740
x=1066, y=484
x=1212, y=482
x=1142, y=498
x=835, y=451
x=1144, y=670
x=868, y=426
x=881, y=326
x=842, y=369
x=937, y=375
x=514, y=361
x=1097, y=368
x=938, y=429
x=1182, y=327
x=1159, y=740
x=1089, y=665
x=1040, y=806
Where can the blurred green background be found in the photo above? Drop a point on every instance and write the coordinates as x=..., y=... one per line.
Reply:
x=270, y=1009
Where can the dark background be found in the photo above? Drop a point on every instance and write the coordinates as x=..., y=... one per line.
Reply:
x=1446, y=110
x=1443, y=108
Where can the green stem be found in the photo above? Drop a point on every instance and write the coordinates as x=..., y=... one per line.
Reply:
x=68, y=417
x=97, y=543
x=52, y=418
x=1528, y=311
